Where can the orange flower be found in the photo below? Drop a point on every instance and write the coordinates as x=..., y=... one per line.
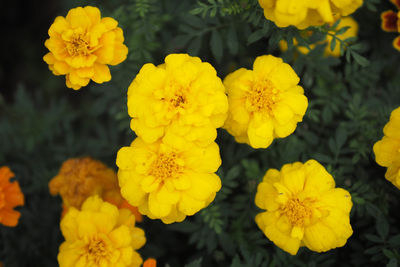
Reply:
x=80, y=178
x=150, y=262
x=391, y=22
x=10, y=197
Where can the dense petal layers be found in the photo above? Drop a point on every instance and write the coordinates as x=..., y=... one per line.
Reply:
x=167, y=181
x=303, y=208
x=10, y=197
x=81, y=46
x=182, y=100
x=387, y=150
x=305, y=13
x=264, y=103
x=100, y=235
x=80, y=178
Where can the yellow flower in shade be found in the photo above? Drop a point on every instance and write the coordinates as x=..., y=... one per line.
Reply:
x=166, y=181
x=80, y=178
x=344, y=22
x=391, y=23
x=100, y=235
x=10, y=197
x=387, y=150
x=264, y=103
x=81, y=46
x=181, y=98
x=303, y=208
x=305, y=13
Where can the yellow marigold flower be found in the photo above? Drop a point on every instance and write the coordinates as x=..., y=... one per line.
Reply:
x=100, y=235
x=303, y=208
x=344, y=22
x=387, y=150
x=305, y=13
x=166, y=181
x=81, y=46
x=181, y=98
x=264, y=103
x=10, y=197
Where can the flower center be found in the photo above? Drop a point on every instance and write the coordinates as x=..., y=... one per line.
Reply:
x=262, y=96
x=78, y=46
x=97, y=249
x=297, y=211
x=178, y=100
x=165, y=166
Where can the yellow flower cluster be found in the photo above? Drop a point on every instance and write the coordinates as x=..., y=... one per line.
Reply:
x=344, y=22
x=305, y=13
x=100, y=235
x=169, y=170
x=387, y=150
x=303, y=208
x=81, y=46
x=264, y=103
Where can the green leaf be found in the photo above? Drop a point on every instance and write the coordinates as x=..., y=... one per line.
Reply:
x=333, y=44
x=195, y=263
x=382, y=226
x=392, y=263
x=362, y=61
x=216, y=45
x=255, y=36
x=232, y=40
x=194, y=46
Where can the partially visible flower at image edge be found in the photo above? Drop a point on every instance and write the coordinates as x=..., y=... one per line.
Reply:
x=303, y=208
x=387, y=150
x=100, y=234
x=79, y=178
x=305, y=13
x=10, y=197
x=391, y=22
x=344, y=22
x=81, y=46
x=264, y=103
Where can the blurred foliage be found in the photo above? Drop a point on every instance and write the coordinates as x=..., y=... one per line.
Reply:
x=43, y=123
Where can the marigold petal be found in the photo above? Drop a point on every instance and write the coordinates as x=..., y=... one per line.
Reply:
x=9, y=217
x=159, y=209
x=260, y=135
x=396, y=3
x=77, y=17
x=101, y=73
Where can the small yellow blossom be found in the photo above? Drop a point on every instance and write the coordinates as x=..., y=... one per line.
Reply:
x=305, y=13
x=100, y=235
x=81, y=46
x=168, y=182
x=182, y=98
x=387, y=150
x=264, y=103
x=344, y=22
x=303, y=208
